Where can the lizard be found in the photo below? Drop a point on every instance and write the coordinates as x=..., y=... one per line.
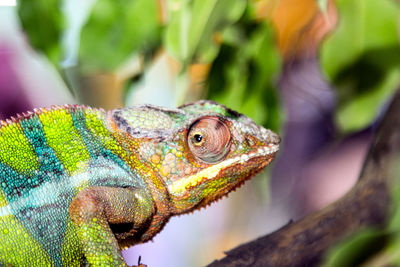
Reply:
x=78, y=184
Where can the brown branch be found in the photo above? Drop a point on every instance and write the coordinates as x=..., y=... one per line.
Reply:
x=304, y=242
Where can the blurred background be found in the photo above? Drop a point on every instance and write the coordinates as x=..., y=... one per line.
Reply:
x=318, y=72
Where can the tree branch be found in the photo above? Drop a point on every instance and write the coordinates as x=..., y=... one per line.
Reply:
x=303, y=243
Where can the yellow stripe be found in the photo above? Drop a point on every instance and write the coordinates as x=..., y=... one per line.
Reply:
x=15, y=149
x=71, y=249
x=94, y=122
x=180, y=186
x=62, y=136
x=15, y=241
x=3, y=199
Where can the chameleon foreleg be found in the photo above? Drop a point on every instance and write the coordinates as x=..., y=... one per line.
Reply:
x=95, y=208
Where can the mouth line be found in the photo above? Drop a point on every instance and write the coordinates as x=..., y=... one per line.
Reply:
x=179, y=187
x=261, y=151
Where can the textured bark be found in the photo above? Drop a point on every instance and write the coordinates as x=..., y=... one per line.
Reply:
x=303, y=243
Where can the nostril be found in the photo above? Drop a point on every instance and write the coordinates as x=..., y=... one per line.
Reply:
x=249, y=142
x=272, y=137
x=276, y=139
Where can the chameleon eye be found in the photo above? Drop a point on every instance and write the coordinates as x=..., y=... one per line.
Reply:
x=209, y=139
x=198, y=139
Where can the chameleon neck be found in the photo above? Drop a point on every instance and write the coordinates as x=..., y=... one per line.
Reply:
x=155, y=186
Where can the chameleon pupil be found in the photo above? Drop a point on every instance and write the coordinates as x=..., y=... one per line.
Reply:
x=198, y=138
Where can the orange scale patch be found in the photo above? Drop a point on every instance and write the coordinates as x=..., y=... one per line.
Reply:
x=169, y=158
x=165, y=170
x=156, y=158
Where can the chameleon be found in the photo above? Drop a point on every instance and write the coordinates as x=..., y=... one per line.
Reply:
x=78, y=184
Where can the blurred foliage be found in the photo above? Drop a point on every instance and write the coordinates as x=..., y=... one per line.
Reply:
x=193, y=35
x=243, y=75
x=391, y=253
x=43, y=22
x=115, y=31
x=362, y=58
x=189, y=35
x=358, y=249
x=372, y=246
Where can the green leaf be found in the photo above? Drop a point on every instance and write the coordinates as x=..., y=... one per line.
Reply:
x=359, y=112
x=43, y=23
x=203, y=23
x=242, y=75
x=361, y=58
x=394, y=227
x=116, y=30
x=176, y=33
x=363, y=25
x=210, y=16
x=357, y=249
x=189, y=36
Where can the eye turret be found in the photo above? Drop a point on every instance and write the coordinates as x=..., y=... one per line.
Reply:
x=209, y=139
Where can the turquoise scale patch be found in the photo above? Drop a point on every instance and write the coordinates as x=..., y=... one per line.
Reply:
x=123, y=175
x=50, y=166
x=14, y=184
x=95, y=147
x=47, y=221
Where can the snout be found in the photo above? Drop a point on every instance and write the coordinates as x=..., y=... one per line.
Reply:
x=269, y=136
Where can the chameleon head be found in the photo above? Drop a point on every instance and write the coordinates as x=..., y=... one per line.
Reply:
x=201, y=151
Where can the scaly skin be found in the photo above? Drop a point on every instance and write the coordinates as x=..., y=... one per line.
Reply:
x=78, y=184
